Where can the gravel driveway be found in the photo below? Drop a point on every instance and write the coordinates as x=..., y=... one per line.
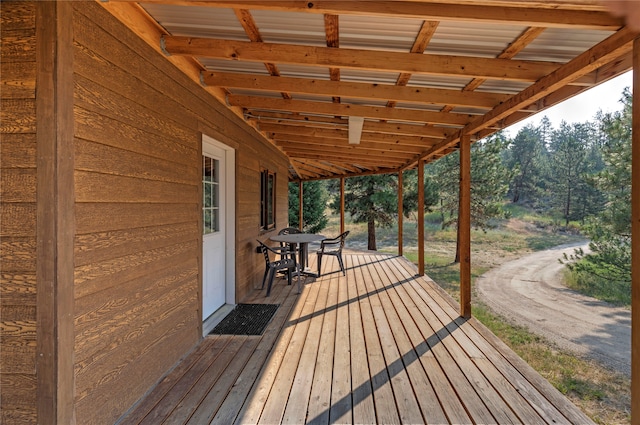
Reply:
x=529, y=292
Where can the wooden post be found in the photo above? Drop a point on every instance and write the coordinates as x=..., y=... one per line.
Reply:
x=55, y=219
x=400, y=212
x=464, y=226
x=300, y=206
x=421, y=218
x=341, y=205
x=635, y=238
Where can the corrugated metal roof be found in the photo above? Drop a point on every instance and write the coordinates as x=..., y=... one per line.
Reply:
x=290, y=27
x=472, y=38
x=386, y=32
x=194, y=21
x=560, y=45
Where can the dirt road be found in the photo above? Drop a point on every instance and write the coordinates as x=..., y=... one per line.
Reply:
x=529, y=292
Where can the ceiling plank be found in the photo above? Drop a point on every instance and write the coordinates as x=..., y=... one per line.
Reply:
x=342, y=109
x=463, y=66
x=555, y=16
x=410, y=94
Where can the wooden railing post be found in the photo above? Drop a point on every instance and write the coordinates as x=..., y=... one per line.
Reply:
x=635, y=238
x=341, y=205
x=421, y=218
x=464, y=226
x=400, y=212
x=300, y=206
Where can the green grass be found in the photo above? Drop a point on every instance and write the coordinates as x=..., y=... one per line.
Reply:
x=611, y=291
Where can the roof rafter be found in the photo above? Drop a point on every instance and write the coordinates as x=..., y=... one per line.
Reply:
x=409, y=94
x=555, y=16
x=377, y=112
x=612, y=48
x=463, y=66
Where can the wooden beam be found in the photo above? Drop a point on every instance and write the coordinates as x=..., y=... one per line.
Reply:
x=421, y=218
x=300, y=206
x=423, y=38
x=55, y=218
x=400, y=214
x=412, y=94
x=608, y=50
x=449, y=65
x=464, y=227
x=635, y=237
x=332, y=33
x=546, y=14
x=526, y=37
x=341, y=205
x=252, y=31
x=375, y=112
x=292, y=140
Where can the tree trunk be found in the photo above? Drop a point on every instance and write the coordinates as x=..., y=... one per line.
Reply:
x=371, y=231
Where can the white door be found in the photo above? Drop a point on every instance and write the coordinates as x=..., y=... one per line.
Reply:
x=213, y=228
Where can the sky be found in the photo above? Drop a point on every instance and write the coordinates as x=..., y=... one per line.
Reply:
x=583, y=107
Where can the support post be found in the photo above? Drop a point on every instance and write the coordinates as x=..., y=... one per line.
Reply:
x=464, y=226
x=55, y=219
x=421, y=218
x=635, y=238
x=300, y=206
x=400, y=214
x=341, y=205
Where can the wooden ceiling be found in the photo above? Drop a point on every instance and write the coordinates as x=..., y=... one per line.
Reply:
x=421, y=73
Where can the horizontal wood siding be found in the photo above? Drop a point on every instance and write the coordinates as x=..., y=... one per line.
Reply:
x=18, y=214
x=139, y=123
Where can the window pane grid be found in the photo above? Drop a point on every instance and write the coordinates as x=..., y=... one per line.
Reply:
x=210, y=195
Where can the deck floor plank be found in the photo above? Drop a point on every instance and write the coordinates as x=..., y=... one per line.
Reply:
x=362, y=393
x=383, y=398
x=189, y=404
x=414, y=348
x=379, y=345
x=300, y=393
x=239, y=393
x=320, y=398
x=341, y=401
x=275, y=403
x=217, y=393
x=186, y=383
x=395, y=359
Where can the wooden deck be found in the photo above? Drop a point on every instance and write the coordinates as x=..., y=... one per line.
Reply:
x=380, y=345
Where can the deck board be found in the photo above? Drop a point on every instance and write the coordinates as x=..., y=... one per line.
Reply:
x=379, y=345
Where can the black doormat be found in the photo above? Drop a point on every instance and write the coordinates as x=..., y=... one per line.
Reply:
x=246, y=319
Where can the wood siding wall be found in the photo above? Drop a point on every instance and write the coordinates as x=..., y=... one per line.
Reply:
x=137, y=181
x=18, y=214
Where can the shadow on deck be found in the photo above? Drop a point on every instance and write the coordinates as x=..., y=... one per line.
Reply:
x=379, y=345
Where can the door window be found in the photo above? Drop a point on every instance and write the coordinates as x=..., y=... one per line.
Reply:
x=210, y=195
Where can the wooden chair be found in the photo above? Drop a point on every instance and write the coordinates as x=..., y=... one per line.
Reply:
x=332, y=247
x=285, y=262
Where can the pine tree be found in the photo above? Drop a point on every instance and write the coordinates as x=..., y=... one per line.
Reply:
x=314, y=204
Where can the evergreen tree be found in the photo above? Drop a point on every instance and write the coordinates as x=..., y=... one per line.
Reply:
x=524, y=158
x=610, y=230
x=314, y=204
x=567, y=166
x=489, y=183
x=374, y=200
